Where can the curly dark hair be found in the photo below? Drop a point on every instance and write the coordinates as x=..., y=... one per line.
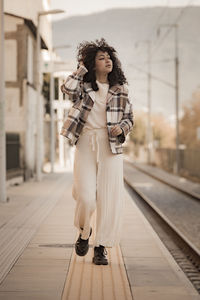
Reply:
x=87, y=52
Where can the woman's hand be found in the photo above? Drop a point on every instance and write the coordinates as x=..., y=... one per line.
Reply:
x=116, y=130
x=80, y=64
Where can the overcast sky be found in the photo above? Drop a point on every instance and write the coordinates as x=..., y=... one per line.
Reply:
x=82, y=7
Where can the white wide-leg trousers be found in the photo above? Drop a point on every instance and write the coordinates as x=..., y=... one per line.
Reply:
x=98, y=184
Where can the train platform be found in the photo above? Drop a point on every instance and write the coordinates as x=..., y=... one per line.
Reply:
x=38, y=261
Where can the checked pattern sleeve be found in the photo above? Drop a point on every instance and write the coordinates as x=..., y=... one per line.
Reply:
x=127, y=121
x=72, y=85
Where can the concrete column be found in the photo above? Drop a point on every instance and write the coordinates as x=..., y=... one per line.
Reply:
x=2, y=110
x=52, y=98
x=38, y=110
x=60, y=115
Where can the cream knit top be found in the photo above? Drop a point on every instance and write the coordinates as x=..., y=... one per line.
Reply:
x=97, y=116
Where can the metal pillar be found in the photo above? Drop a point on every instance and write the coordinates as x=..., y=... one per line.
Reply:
x=177, y=99
x=149, y=129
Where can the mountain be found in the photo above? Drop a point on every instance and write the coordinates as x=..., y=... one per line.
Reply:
x=122, y=28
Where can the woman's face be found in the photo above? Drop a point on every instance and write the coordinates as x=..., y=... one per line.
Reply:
x=103, y=62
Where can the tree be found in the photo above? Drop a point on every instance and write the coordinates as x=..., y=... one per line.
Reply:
x=137, y=135
x=163, y=132
x=190, y=122
x=46, y=90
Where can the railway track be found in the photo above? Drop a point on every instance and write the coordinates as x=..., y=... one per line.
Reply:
x=187, y=254
x=183, y=190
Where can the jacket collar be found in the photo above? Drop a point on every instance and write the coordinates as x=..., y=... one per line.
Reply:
x=91, y=92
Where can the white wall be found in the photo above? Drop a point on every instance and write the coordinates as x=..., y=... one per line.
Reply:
x=10, y=60
x=30, y=124
x=22, y=119
x=11, y=23
x=29, y=9
x=14, y=112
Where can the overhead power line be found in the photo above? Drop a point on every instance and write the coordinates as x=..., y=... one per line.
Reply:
x=180, y=15
x=154, y=77
x=159, y=18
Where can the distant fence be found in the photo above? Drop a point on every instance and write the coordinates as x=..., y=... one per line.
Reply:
x=189, y=160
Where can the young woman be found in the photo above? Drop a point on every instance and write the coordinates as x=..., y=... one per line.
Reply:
x=98, y=123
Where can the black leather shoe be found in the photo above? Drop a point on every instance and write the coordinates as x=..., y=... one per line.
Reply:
x=82, y=246
x=100, y=256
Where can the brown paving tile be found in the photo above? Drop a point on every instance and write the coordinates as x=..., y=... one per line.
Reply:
x=30, y=295
x=88, y=281
x=138, y=250
x=46, y=253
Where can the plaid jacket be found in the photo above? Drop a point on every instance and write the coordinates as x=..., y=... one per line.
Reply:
x=118, y=109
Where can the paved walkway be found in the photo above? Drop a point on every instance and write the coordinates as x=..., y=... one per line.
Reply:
x=43, y=264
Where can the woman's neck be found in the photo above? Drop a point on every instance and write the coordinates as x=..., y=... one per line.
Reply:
x=102, y=78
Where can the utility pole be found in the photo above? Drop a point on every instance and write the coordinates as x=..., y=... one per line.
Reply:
x=149, y=128
x=177, y=99
x=3, y=197
x=176, y=64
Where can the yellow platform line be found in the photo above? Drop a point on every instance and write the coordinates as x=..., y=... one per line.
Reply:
x=87, y=281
